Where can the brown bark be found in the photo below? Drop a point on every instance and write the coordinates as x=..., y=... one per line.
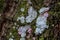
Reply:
x=7, y=17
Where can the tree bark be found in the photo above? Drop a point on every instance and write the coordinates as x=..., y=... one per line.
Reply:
x=7, y=17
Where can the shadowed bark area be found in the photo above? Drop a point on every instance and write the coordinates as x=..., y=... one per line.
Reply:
x=7, y=17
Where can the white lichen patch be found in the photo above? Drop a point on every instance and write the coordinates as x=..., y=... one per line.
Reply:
x=32, y=14
x=22, y=30
x=22, y=38
x=22, y=19
x=41, y=20
x=10, y=38
x=22, y=9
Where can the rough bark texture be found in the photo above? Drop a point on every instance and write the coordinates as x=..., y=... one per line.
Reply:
x=7, y=17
